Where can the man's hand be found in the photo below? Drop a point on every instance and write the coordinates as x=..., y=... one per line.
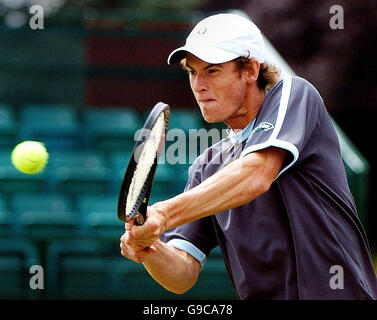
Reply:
x=129, y=249
x=145, y=235
x=137, y=242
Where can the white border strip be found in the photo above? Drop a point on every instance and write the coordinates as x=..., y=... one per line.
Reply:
x=284, y=99
x=272, y=141
x=275, y=143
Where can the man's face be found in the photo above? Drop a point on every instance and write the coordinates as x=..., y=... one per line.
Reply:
x=219, y=89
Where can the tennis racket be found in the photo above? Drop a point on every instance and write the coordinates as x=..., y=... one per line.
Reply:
x=138, y=178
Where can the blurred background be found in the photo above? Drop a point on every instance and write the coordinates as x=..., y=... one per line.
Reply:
x=82, y=79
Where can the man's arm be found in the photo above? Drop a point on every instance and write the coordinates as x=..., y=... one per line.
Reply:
x=174, y=269
x=238, y=183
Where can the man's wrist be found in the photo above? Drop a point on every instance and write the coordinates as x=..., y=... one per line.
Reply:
x=162, y=209
x=173, y=211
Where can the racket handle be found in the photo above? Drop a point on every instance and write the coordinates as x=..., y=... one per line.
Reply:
x=139, y=219
x=141, y=215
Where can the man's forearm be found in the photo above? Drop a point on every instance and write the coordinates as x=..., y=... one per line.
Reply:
x=238, y=183
x=230, y=187
x=175, y=270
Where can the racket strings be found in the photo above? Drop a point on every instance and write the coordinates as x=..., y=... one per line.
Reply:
x=146, y=159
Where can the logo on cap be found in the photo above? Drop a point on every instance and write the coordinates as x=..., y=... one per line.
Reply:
x=202, y=30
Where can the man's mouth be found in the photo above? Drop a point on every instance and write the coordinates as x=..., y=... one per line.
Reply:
x=206, y=100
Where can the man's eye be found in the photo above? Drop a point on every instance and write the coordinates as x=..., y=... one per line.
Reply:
x=212, y=71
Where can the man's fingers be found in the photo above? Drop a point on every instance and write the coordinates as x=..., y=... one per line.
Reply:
x=128, y=225
x=150, y=229
x=142, y=236
x=133, y=254
x=127, y=240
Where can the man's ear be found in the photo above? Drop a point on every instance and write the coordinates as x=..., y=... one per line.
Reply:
x=252, y=71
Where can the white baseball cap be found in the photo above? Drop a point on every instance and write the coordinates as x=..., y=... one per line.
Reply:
x=221, y=38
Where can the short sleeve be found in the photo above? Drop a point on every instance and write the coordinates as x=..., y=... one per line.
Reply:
x=286, y=120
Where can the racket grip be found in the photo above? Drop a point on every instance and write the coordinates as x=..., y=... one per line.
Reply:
x=139, y=219
x=141, y=215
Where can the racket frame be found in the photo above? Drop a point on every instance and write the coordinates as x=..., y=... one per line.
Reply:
x=139, y=210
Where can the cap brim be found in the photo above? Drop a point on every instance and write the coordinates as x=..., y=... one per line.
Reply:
x=177, y=55
x=207, y=54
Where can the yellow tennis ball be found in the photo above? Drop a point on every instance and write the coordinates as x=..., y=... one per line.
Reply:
x=29, y=157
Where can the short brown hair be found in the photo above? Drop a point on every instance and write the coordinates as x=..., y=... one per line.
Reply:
x=268, y=73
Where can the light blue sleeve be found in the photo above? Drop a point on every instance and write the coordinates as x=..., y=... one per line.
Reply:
x=189, y=248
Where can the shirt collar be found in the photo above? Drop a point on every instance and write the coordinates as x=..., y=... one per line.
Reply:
x=240, y=136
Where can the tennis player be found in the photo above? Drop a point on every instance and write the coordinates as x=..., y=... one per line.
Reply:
x=273, y=194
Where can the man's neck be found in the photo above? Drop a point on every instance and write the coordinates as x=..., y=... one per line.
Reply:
x=254, y=101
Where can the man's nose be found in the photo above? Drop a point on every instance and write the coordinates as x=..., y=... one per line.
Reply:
x=199, y=84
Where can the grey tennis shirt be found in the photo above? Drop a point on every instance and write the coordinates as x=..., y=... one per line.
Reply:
x=302, y=239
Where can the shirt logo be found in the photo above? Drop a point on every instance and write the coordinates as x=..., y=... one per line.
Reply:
x=202, y=30
x=264, y=126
